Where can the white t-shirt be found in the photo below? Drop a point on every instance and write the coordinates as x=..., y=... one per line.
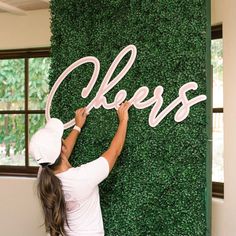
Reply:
x=80, y=186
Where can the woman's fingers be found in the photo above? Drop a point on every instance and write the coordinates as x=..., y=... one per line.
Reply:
x=80, y=116
x=126, y=105
x=81, y=111
x=78, y=111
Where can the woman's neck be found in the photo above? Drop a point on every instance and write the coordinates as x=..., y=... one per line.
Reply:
x=64, y=166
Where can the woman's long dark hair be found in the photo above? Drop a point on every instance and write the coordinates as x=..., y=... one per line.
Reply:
x=52, y=200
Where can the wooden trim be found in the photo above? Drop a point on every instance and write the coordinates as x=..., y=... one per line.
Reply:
x=218, y=189
x=26, y=109
x=22, y=171
x=218, y=110
x=25, y=53
x=216, y=32
x=22, y=111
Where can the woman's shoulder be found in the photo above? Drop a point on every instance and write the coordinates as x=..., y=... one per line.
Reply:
x=68, y=171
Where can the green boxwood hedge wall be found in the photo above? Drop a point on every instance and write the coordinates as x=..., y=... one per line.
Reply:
x=161, y=183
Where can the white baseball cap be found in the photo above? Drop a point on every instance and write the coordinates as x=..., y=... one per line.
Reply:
x=45, y=144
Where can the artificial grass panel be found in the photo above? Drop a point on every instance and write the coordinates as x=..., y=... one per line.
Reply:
x=159, y=184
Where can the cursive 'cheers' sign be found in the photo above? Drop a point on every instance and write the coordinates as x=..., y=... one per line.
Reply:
x=138, y=98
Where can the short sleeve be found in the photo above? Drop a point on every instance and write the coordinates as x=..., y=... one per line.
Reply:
x=96, y=171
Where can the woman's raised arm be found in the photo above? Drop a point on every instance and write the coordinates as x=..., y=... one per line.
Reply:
x=118, y=141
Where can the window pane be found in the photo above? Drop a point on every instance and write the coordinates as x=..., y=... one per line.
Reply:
x=217, y=62
x=12, y=140
x=12, y=92
x=36, y=121
x=38, y=82
x=218, y=148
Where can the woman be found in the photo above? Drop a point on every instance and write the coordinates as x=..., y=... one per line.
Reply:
x=70, y=196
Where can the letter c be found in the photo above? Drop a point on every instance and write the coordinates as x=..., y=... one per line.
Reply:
x=77, y=63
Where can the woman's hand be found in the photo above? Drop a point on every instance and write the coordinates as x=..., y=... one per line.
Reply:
x=122, y=112
x=80, y=117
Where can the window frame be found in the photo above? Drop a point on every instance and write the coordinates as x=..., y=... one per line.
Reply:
x=26, y=54
x=217, y=187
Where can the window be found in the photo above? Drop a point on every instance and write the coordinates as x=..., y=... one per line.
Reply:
x=23, y=90
x=218, y=130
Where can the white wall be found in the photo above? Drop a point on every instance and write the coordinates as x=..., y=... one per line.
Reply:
x=31, y=30
x=216, y=12
x=217, y=217
x=229, y=37
x=20, y=213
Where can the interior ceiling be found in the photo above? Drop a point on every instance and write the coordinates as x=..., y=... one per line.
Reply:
x=20, y=7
